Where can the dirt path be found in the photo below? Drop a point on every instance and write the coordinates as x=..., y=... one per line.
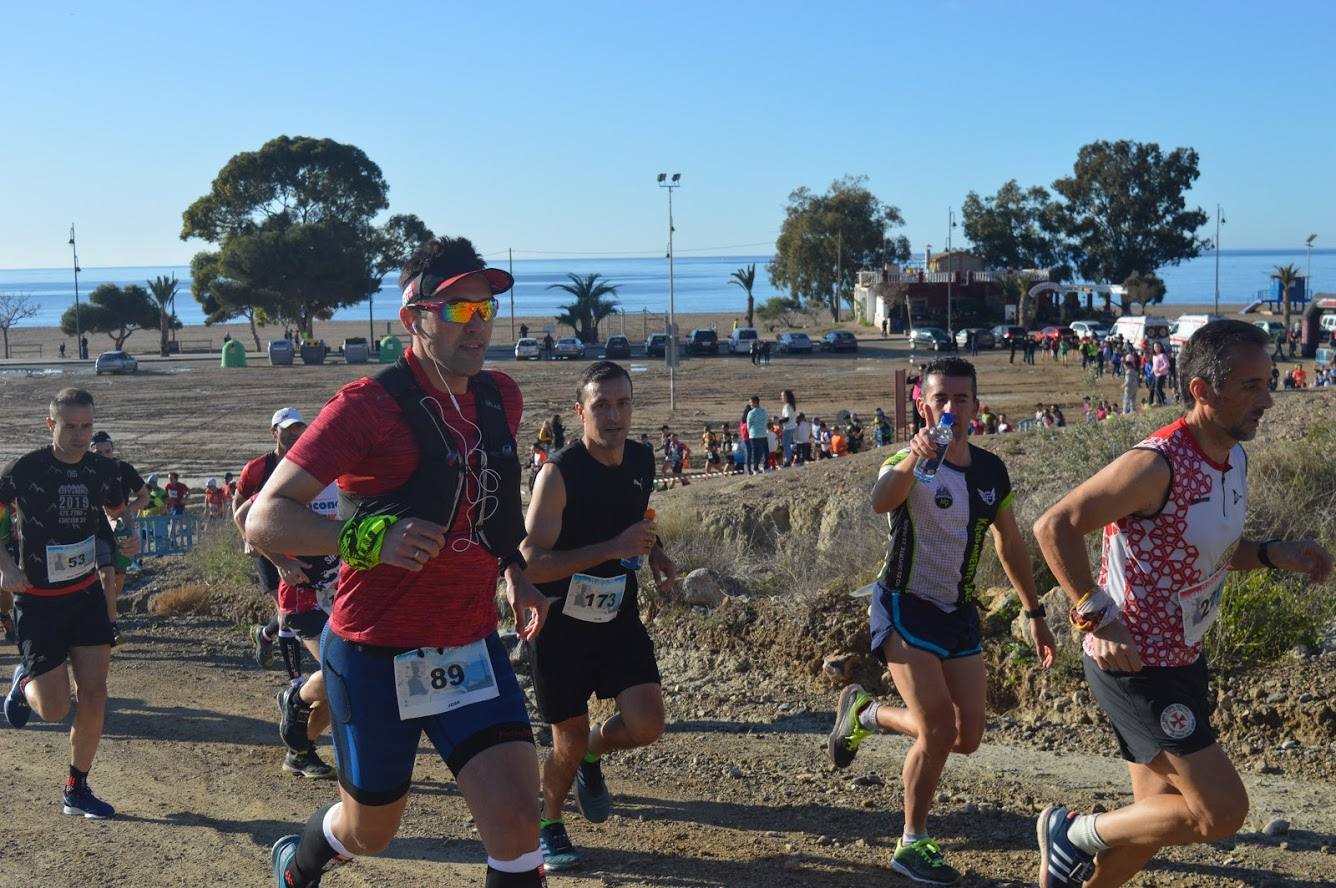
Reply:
x=737, y=793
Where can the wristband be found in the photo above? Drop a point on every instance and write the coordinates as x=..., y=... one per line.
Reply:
x=360, y=541
x=1038, y=613
x=1265, y=558
x=514, y=558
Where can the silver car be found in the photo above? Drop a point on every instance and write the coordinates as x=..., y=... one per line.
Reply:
x=115, y=362
x=569, y=347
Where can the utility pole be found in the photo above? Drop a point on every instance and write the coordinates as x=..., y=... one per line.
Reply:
x=78, y=325
x=511, y=252
x=839, y=258
x=1308, y=277
x=950, y=223
x=670, y=354
x=1219, y=219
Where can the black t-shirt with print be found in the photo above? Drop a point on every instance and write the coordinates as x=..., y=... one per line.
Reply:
x=58, y=505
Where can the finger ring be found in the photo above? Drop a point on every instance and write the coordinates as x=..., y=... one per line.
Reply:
x=417, y=555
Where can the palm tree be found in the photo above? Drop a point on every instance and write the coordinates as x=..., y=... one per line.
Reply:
x=746, y=279
x=163, y=289
x=583, y=315
x=1288, y=275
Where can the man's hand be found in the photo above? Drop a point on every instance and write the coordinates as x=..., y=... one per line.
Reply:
x=664, y=571
x=1114, y=650
x=635, y=540
x=129, y=545
x=527, y=605
x=1045, y=647
x=1302, y=556
x=292, y=570
x=411, y=543
x=922, y=446
x=14, y=582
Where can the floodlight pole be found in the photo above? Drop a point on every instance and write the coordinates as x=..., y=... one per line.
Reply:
x=670, y=355
x=1218, y=220
x=78, y=326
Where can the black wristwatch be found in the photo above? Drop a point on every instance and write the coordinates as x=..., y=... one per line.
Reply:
x=1038, y=613
x=513, y=558
x=1263, y=557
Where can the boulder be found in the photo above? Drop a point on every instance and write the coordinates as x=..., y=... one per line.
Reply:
x=1056, y=603
x=705, y=587
x=839, y=667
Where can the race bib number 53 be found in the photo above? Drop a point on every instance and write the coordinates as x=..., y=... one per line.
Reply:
x=65, y=563
x=429, y=681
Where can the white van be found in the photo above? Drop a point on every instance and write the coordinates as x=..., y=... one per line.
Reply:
x=1142, y=330
x=1328, y=322
x=1186, y=326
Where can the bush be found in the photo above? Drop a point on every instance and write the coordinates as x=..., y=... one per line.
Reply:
x=181, y=601
x=1265, y=614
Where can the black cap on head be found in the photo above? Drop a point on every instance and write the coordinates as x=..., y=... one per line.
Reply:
x=101, y=438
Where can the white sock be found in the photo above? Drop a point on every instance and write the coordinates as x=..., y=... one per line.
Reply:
x=910, y=838
x=868, y=717
x=523, y=864
x=328, y=828
x=1083, y=835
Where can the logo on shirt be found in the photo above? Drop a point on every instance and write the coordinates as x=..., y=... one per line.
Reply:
x=943, y=498
x=1177, y=721
x=1237, y=496
x=988, y=496
x=637, y=483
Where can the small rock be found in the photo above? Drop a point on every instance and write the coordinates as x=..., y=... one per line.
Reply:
x=867, y=780
x=789, y=847
x=839, y=667
x=1278, y=826
x=735, y=772
x=970, y=808
x=823, y=840
x=1290, y=744
x=1286, y=846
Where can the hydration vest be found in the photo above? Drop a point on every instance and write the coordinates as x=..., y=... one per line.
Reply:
x=436, y=488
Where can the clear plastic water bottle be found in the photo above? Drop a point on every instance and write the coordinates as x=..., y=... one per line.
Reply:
x=941, y=435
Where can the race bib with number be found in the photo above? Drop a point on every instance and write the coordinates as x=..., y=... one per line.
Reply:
x=1201, y=605
x=429, y=681
x=72, y=561
x=595, y=599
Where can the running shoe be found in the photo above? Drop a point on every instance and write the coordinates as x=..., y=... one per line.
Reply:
x=591, y=792
x=293, y=716
x=264, y=648
x=558, y=852
x=284, y=850
x=17, y=710
x=1061, y=863
x=848, y=731
x=307, y=764
x=80, y=801
x=115, y=635
x=922, y=861
x=7, y=623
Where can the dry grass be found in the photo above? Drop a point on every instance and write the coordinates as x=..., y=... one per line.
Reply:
x=182, y=601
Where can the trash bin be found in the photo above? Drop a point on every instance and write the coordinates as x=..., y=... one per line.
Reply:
x=355, y=350
x=391, y=349
x=280, y=353
x=234, y=354
x=314, y=354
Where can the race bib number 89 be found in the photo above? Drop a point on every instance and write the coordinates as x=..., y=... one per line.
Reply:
x=429, y=681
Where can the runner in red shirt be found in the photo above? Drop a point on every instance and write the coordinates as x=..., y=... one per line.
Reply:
x=1172, y=510
x=177, y=495
x=425, y=461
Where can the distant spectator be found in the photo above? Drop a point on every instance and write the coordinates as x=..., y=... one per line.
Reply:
x=558, y=434
x=1002, y=424
x=177, y=495
x=824, y=437
x=757, y=422
x=802, y=440
x=881, y=429
x=789, y=413
x=215, y=499
x=524, y=331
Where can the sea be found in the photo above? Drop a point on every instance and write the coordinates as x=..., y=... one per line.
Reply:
x=700, y=283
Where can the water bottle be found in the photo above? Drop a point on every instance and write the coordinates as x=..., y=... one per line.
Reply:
x=940, y=435
x=634, y=563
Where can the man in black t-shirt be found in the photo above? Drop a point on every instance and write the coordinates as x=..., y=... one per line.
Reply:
x=111, y=565
x=588, y=531
x=61, y=495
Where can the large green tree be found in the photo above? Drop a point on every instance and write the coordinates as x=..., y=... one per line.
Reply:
x=294, y=225
x=823, y=233
x=114, y=310
x=1124, y=209
x=1015, y=228
x=1288, y=276
x=589, y=307
x=745, y=277
x=163, y=290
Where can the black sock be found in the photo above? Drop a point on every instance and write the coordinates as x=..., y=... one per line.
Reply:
x=313, y=853
x=271, y=629
x=291, y=649
x=77, y=779
x=534, y=878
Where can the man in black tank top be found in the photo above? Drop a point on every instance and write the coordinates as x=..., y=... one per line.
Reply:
x=588, y=532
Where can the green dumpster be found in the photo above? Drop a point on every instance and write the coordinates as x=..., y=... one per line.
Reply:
x=234, y=354
x=391, y=349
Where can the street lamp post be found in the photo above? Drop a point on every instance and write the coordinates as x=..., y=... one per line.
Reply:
x=670, y=355
x=78, y=326
x=1308, y=277
x=950, y=224
x=1219, y=220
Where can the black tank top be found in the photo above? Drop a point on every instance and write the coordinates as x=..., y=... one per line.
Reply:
x=601, y=502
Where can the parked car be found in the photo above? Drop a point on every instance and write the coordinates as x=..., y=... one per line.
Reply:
x=528, y=349
x=1090, y=330
x=656, y=344
x=839, y=341
x=617, y=347
x=740, y=340
x=569, y=347
x=1005, y=334
x=982, y=336
x=795, y=343
x=1271, y=328
x=701, y=341
x=1051, y=334
x=115, y=362
x=933, y=337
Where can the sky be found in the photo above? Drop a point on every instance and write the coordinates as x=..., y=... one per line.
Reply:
x=541, y=127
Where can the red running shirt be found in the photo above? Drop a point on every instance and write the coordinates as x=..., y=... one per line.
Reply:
x=361, y=440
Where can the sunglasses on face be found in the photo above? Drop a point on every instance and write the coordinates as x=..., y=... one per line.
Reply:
x=460, y=312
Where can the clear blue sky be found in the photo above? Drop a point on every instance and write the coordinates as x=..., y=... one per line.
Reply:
x=541, y=126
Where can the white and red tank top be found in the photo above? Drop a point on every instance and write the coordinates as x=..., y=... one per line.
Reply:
x=1167, y=570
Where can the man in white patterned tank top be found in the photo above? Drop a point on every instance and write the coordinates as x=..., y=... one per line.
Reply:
x=1172, y=511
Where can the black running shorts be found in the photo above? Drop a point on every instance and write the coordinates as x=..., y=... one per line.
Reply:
x=572, y=659
x=925, y=626
x=1159, y=709
x=267, y=575
x=49, y=625
x=307, y=625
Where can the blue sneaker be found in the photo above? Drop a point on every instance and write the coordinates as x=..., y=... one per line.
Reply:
x=558, y=852
x=1061, y=864
x=80, y=802
x=284, y=850
x=17, y=710
x=591, y=792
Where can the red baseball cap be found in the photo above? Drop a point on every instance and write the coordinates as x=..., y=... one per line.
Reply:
x=427, y=284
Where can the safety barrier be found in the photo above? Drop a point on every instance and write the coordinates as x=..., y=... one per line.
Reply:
x=167, y=534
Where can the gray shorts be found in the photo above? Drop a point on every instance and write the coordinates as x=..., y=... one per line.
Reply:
x=1159, y=709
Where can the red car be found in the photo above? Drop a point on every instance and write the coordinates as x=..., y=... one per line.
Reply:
x=1051, y=334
